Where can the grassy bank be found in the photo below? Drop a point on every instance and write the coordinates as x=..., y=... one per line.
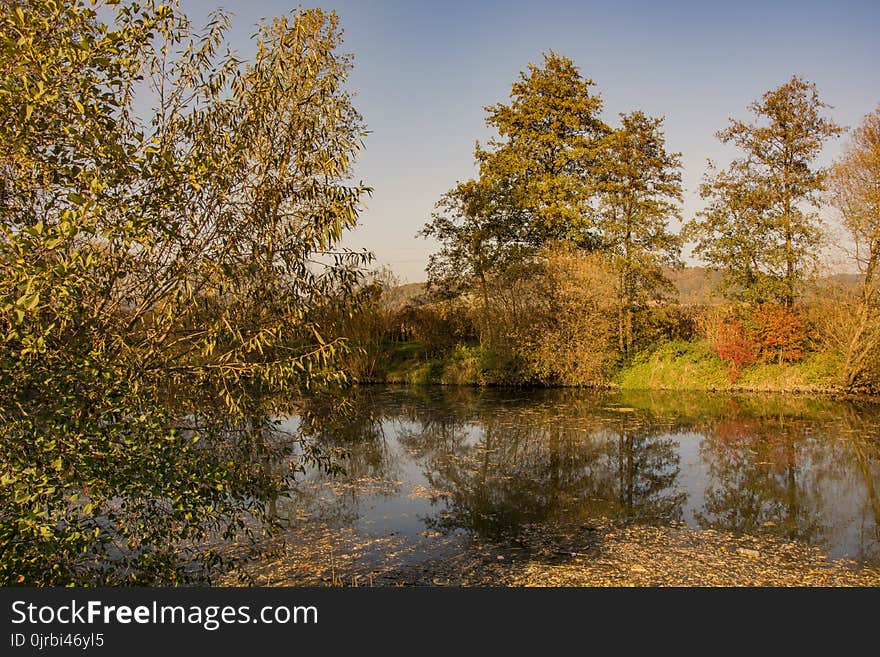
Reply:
x=674, y=365
x=411, y=363
x=691, y=365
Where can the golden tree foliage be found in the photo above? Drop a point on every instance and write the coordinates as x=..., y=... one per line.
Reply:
x=571, y=332
x=851, y=325
x=556, y=172
x=855, y=192
x=549, y=137
x=149, y=256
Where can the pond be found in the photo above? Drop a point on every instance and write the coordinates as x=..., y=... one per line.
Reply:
x=428, y=464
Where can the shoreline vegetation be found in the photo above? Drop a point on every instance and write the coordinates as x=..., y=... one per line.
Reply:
x=403, y=335
x=558, y=264
x=672, y=366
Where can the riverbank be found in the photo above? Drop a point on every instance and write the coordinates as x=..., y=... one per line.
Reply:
x=674, y=365
x=597, y=554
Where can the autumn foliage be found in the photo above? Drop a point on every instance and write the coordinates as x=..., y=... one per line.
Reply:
x=768, y=333
x=779, y=333
x=734, y=346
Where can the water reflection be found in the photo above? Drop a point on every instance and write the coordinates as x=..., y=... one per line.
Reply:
x=490, y=461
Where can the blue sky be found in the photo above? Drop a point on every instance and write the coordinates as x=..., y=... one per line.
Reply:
x=424, y=70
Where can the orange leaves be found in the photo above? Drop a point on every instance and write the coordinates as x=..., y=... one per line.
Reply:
x=779, y=332
x=768, y=333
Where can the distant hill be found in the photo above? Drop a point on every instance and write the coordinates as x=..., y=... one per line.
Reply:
x=403, y=294
x=695, y=286
x=699, y=285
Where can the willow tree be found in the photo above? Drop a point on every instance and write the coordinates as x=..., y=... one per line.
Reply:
x=149, y=258
x=639, y=193
x=761, y=224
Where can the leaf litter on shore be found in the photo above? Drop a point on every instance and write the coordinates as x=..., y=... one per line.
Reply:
x=602, y=553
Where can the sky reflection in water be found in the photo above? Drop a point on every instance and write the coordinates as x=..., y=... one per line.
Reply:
x=439, y=461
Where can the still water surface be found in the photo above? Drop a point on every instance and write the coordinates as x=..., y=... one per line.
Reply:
x=439, y=462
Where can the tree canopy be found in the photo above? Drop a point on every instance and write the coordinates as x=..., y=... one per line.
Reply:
x=541, y=164
x=760, y=223
x=558, y=174
x=639, y=193
x=855, y=192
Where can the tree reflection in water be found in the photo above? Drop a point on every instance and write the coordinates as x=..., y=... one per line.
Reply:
x=803, y=476
x=493, y=461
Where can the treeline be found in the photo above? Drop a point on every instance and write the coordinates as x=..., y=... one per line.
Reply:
x=552, y=262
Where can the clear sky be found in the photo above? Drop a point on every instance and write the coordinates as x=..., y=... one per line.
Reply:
x=424, y=70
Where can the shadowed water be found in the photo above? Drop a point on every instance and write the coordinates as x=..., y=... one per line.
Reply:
x=427, y=463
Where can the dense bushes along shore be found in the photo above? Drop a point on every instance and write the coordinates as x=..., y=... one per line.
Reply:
x=562, y=335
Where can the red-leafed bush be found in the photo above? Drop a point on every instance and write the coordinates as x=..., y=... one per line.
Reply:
x=734, y=346
x=779, y=332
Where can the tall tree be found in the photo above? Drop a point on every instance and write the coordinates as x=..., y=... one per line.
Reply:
x=640, y=192
x=535, y=185
x=536, y=181
x=542, y=161
x=855, y=191
x=760, y=223
x=477, y=235
x=728, y=233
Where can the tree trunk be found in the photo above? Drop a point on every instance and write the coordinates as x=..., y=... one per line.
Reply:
x=627, y=296
x=485, y=314
x=789, y=249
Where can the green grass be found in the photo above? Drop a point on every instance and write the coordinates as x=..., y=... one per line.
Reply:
x=816, y=373
x=405, y=362
x=673, y=365
x=468, y=365
x=680, y=365
x=676, y=365
x=410, y=362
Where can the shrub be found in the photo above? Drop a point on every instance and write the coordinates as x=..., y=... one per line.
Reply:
x=667, y=322
x=726, y=333
x=779, y=332
x=570, y=337
x=848, y=329
x=438, y=326
x=734, y=347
